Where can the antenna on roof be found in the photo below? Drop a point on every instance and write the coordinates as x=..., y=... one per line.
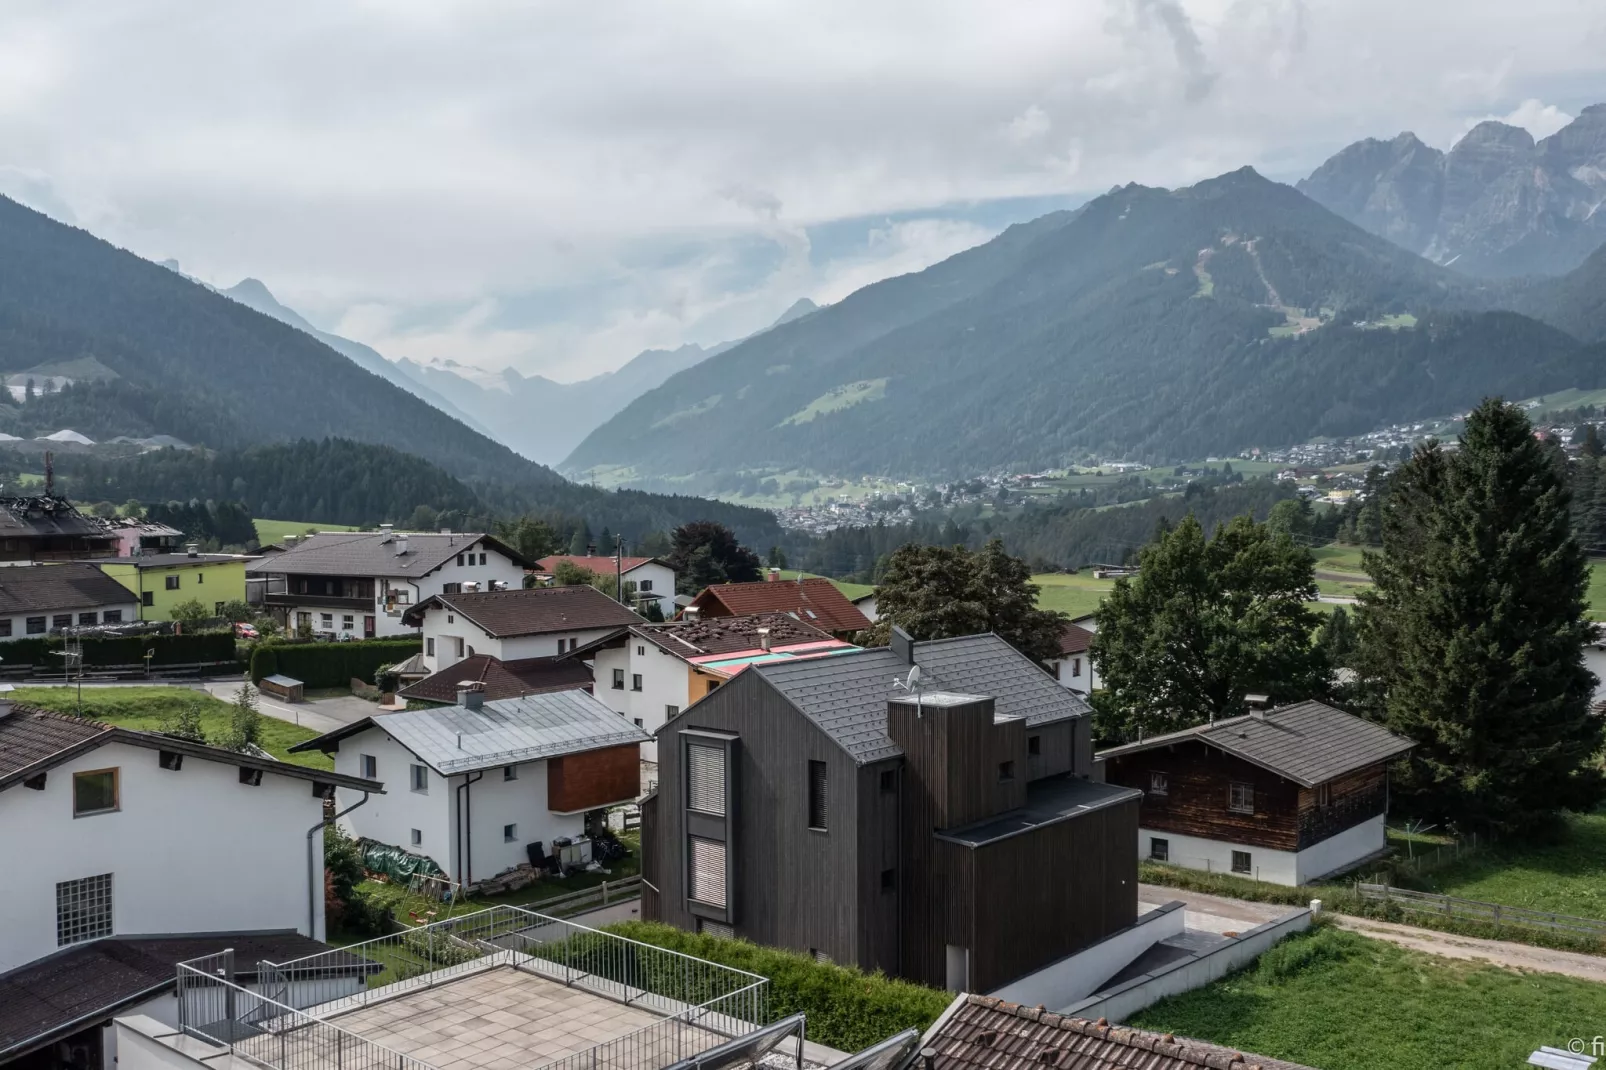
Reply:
x=911, y=684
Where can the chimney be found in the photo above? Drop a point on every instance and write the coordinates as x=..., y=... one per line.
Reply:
x=386, y=530
x=691, y=613
x=1257, y=705
x=193, y=549
x=401, y=545
x=774, y=574
x=903, y=645
x=764, y=638
x=471, y=695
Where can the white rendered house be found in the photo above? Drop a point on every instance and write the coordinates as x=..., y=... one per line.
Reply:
x=512, y=625
x=653, y=577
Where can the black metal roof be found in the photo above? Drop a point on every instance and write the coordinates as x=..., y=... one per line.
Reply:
x=1048, y=802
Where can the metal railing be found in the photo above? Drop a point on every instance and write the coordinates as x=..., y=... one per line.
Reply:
x=285, y=1026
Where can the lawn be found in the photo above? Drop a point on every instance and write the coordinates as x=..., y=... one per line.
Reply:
x=850, y=590
x=1339, y=1001
x=1338, y=557
x=146, y=708
x=1072, y=594
x=271, y=531
x=1565, y=877
x=1597, y=589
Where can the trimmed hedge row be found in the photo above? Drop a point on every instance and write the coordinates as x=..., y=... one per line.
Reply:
x=330, y=664
x=41, y=651
x=848, y=1009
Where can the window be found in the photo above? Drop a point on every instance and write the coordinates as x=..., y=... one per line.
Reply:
x=712, y=685
x=510, y=834
x=635, y=681
x=86, y=618
x=94, y=792
x=172, y=583
x=83, y=909
x=36, y=625
x=111, y=616
x=370, y=767
x=1159, y=783
x=5, y=626
x=1159, y=850
x=1241, y=798
x=1006, y=771
x=705, y=778
x=510, y=772
x=618, y=679
x=328, y=621
x=415, y=837
x=889, y=780
x=641, y=651
x=61, y=620
x=348, y=622
x=707, y=877
x=450, y=619
x=217, y=609
x=889, y=880
x=639, y=724
x=457, y=641
x=1034, y=745
x=459, y=565
x=644, y=586
x=671, y=711
x=147, y=598
x=720, y=929
x=1323, y=795
x=420, y=778
x=819, y=796
x=429, y=647
x=482, y=559
x=452, y=588
x=1240, y=862
x=1076, y=666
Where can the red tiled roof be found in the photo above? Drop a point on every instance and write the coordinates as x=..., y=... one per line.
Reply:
x=532, y=611
x=502, y=679
x=602, y=566
x=813, y=601
x=1074, y=639
x=28, y=735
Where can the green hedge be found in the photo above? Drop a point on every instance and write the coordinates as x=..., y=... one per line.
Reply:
x=330, y=664
x=41, y=651
x=848, y=1009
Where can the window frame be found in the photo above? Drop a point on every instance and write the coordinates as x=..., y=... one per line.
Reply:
x=418, y=778
x=635, y=681
x=1248, y=862
x=618, y=683
x=510, y=833
x=415, y=837
x=1241, y=797
x=38, y=625
x=79, y=893
x=695, y=797
x=1159, y=849
x=819, y=796
x=1006, y=772
x=509, y=772
x=1159, y=783
x=368, y=766
x=60, y=620
x=693, y=885
x=110, y=616
x=171, y=583
x=117, y=791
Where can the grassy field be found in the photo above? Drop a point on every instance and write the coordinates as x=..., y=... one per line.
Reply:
x=1072, y=595
x=275, y=530
x=1339, y=1001
x=146, y=708
x=1565, y=877
x=851, y=590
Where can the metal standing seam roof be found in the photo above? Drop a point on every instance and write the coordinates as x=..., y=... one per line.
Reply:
x=456, y=739
x=846, y=695
x=1309, y=743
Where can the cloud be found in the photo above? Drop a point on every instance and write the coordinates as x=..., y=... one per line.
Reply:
x=1030, y=125
x=1198, y=77
x=1538, y=118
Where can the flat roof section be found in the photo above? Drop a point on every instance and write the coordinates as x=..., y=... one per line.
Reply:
x=1048, y=802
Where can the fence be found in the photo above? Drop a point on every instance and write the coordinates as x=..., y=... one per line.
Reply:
x=609, y=892
x=1420, y=863
x=1448, y=906
x=284, y=1026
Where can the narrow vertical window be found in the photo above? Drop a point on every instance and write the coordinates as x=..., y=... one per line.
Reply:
x=819, y=796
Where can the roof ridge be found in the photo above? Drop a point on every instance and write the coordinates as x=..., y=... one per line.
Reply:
x=1167, y=1044
x=59, y=715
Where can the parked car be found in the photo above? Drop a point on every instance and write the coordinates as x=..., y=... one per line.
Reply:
x=242, y=630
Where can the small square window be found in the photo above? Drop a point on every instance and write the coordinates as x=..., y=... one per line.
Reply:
x=671, y=711
x=370, y=767
x=420, y=778
x=1159, y=783
x=1241, y=798
x=415, y=837
x=147, y=598
x=510, y=834
x=328, y=620
x=635, y=681
x=1159, y=850
x=1240, y=862
x=348, y=622
x=83, y=910
x=1006, y=771
x=1034, y=745
x=172, y=583
x=889, y=780
x=94, y=792
x=510, y=772
x=644, y=586
x=889, y=880
x=638, y=723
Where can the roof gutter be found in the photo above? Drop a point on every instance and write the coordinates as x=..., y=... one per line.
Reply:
x=313, y=884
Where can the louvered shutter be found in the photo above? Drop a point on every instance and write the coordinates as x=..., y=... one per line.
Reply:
x=708, y=871
x=819, y=801
x=705, y=778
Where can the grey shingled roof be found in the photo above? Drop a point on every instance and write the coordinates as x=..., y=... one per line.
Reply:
x=59, y=588
x=1309, y=743
x=455, y=739
x=373, y=553
x=847, y=695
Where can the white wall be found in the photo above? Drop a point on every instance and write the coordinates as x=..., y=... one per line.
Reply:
x=867, y=606
x=664, y=680
x=1341, y=851
x=191, y=851
x=444, y=628
x=19, y=621
x=662, y=578
x=389, y=817
x=495, y=802
x=1278, y=867
x=1065, y=668
x=1077, y=976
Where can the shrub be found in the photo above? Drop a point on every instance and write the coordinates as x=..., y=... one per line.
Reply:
x=185, y=723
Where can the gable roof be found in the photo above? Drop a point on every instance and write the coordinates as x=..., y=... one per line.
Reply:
x=847, y=695
x=71, y=585
x=1074, y=639
x=530, y=610
x=813, y=600
x=373, y=553
x=602, y=565
x=456, y=739
x=984, y=1033
x=501, y=679
x=33, y=741
x=1309, y=743
x=688, y=639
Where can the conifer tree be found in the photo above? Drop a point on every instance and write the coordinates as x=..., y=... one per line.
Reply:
x=1473, y=637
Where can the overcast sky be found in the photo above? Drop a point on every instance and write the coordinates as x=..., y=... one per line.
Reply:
x=558, y=186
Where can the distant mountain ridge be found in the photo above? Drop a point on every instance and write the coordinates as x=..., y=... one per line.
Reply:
x=1150, y=324
x=1497, y=204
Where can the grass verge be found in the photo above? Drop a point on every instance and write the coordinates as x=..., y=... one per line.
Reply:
x=1567, y=876
x=269, y=531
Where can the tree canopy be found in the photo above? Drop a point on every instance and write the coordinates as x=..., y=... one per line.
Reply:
x=706, y=552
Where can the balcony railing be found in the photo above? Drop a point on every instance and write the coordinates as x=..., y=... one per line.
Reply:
x=702, y=1003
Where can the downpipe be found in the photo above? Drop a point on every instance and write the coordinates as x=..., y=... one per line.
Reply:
x=315, y=886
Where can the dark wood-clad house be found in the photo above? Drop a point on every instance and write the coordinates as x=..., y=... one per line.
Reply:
x=1286, y=795
x=951, y=837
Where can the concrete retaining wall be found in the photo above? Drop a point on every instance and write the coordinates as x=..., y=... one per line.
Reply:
x=1075, y=976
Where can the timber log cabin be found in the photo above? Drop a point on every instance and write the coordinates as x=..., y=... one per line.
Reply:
x=1286, y=795
x=949, y=834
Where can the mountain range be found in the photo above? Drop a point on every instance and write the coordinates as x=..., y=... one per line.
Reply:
x=1149, y=324
x=1497, y=204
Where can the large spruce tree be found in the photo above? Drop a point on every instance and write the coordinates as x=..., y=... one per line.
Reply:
x=1473, y=637
x=1205, y=622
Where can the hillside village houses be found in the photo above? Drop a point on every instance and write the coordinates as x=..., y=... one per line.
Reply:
x=513, y=624
x=161, y=581
x=360, y=584
x=39, y=599
x=813, y=600
x=653, y=577
x=128, y=851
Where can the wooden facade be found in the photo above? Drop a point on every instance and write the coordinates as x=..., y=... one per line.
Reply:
x=593, y=779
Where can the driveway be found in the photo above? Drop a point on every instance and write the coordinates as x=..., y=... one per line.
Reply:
x=320, y=715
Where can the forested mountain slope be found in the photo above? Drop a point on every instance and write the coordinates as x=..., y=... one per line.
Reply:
x=1151, y=324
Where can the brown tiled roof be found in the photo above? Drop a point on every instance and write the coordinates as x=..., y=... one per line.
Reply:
x=727, y=635
x=72, y=585
x=28, y=736
x=1074, y=638
x=814, y=601
x=48, y=997
x=983, y=1033
x=502, y=679
x=532, y=611
x=601, y=565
